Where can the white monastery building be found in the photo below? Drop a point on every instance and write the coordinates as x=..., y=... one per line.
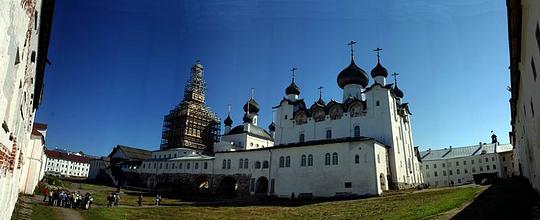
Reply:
x=359, y=145
x=524, y=41
x=25, y=28
x=67, y=164
x=465, y=165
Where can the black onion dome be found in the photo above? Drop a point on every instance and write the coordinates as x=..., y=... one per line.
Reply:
x=398, y=92
x=379, y=70
x=292, y=89
x=352, y=75
x=321, y=102
x=228, y=121
x=247, y=118
x=253, y=106
x=272, y=127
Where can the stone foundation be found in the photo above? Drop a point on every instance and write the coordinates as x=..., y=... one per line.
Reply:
x=185, y=183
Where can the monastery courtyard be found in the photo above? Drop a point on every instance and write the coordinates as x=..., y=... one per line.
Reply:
x=503, y=200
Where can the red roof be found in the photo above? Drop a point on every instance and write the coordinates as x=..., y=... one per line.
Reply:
x=40, y=126
x=66, y=156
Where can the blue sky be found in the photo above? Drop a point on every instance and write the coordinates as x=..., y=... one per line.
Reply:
x=119, y=66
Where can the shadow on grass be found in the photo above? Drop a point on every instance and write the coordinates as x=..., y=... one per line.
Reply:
x=507, y=199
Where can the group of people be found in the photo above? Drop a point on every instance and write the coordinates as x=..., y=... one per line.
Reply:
x=157, y=200
x=63, y=198
x=113, y=199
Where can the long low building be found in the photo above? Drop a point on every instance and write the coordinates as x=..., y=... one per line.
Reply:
x=464, y=165
x=67, y=164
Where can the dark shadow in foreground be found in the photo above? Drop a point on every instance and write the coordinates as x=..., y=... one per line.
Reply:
x=505, y=199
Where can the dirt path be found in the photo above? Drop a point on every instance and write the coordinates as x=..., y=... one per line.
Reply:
x=68, y=214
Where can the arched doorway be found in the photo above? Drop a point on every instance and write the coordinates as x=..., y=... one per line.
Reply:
x=261, y=187
x=227, y=186
x=382, y=178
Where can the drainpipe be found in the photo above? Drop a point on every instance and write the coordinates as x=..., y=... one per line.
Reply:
x=270, y=167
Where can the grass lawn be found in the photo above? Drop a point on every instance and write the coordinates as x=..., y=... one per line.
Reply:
x=419, y=205
x=40, y=211
x=127, y=197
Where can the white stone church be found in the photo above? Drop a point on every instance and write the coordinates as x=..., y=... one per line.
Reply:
x=360, y=145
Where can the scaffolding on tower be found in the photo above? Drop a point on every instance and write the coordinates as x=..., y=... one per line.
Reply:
x=192, y=124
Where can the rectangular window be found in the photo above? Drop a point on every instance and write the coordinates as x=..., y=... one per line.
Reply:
x=487, y=167
x=328, y=134
x=472, y=161
x=348, y=185
x=444, y=172
x=533, y=67
x=427, y=167
x=435, y=166
x=492, y=158
x=301, y=138
x=457, y=163
x=444, y=165
x=464, y=162
x=450, y=172
x=494, y=167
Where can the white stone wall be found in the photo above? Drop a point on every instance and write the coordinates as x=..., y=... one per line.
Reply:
x=18, y=31
x=319, y=179
x=193, y=165
x=527, y=125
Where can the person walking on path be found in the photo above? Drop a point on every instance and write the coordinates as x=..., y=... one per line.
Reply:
x=140, y=200
x=158, y=199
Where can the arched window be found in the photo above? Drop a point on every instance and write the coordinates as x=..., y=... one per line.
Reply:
x=318, y=115
x=180, y=166
x=327, y=159
x=196, y=165
x=241, y=164
x=188, y=165
x=246, y=163
x=281, y=161
x=301, y=138
x=328, y=134
x=265, y=164
x=310, y=160
x=288, y=161
x=301, y=118
x=229, y=164
x=303, y=161
x=357, y=131
x=334, y=158
x=357, y=158
x=257, y=165
x=336, y=112
x=355, y=110
x=224, y=164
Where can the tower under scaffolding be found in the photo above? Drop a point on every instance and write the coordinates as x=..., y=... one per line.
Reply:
x=192, y=124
